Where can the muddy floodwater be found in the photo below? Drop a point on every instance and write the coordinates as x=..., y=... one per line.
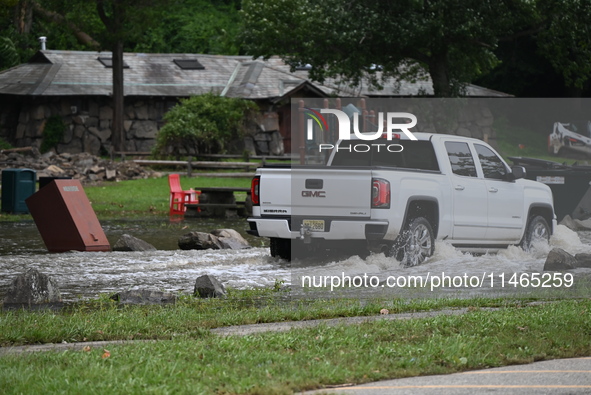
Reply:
x=88, y=274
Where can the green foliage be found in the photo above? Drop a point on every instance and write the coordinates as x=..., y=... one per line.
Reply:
x=204, y=124
x=53, y=133
x=566, y=42
x=9, y=56
x=453, y=39
x=156, y=26
x=125, y=20
x=4, y=144
x=198, y=26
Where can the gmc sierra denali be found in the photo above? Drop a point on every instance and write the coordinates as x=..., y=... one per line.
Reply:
x=398, y=196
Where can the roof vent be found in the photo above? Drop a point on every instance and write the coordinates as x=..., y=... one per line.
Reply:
x=306, y=66
x=189, y=64
x=43, y=40
x=108, y=63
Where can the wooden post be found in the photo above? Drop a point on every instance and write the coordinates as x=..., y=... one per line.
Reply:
x=329, y=133
x=364, y=115
x=302, y=131
x=189, y=167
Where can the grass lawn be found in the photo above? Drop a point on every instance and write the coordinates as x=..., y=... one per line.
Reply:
x=103, y=319
x=187, y=358
x=195, y=361
x=146, y=197
x=515, y=141
x=139, y=198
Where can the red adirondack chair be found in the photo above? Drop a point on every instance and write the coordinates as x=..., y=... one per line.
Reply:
x=178, y=197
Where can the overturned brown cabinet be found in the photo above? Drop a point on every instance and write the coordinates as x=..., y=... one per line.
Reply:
x=65, y=219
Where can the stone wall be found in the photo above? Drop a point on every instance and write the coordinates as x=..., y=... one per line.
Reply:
x=264, y=144
x=268, y=140
x=89, y=122
x=473, y=118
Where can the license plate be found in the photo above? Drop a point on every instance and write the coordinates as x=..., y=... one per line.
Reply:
x=316, y=225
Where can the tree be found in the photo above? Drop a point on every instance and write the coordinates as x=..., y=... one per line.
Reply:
x=453, y=40
x=204, y=124
x=566, y=41
x=64, y=22
x=124, y=21
x=194, y=26
x=551, y=54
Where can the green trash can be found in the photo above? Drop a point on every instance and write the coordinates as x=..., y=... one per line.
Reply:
x=17, y=185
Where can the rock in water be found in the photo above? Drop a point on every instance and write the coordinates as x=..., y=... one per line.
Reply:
x=583, y=260
x=230, y=239
x=569, y=223
x=129, y=243
x=558, y=260
x=31, y=288
x=199, y=241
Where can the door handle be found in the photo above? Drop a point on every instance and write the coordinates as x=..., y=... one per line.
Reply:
x=460, y=187
x=493, y=190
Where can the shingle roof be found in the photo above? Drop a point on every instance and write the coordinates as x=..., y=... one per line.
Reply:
x=66, y=73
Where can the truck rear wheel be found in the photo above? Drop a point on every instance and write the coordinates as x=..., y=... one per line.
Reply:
x=537, y=231
x=281, y=248
x=415, y=244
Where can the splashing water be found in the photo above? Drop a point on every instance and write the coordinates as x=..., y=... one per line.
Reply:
x=82, y=275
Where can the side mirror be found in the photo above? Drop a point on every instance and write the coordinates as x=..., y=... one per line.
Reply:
x=518, y=172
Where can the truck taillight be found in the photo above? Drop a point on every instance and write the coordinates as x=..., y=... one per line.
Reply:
x=380, y=193
x=255, y=190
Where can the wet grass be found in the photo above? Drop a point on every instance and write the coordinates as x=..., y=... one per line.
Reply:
x=521, y=142
x=196, y=361
x=138, y=198
x=104, y=319
x=146, y=197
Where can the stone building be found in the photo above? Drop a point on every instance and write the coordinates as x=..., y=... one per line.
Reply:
x=76, y=86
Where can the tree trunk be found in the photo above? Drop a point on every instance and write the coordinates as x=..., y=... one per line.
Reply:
x=573, y=91
x=23, y=17
x=118, y=137
x=438, y=70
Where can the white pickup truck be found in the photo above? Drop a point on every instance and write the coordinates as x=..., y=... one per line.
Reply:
x=398, y=196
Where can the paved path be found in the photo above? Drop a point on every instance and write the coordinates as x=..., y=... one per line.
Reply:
x=558, y=376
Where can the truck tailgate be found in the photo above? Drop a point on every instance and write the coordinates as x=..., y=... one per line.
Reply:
x=316, y=192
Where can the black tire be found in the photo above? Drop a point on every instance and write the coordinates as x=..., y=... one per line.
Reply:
x=281, y=248
x=537, y=230
x=415, y=244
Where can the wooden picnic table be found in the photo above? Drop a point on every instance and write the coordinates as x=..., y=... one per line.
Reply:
x=220, y=202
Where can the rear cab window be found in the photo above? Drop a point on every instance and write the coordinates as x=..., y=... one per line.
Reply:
x=404, y=154
x=460, y=158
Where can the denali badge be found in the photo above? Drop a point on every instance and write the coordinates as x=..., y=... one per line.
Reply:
x=319, y=194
